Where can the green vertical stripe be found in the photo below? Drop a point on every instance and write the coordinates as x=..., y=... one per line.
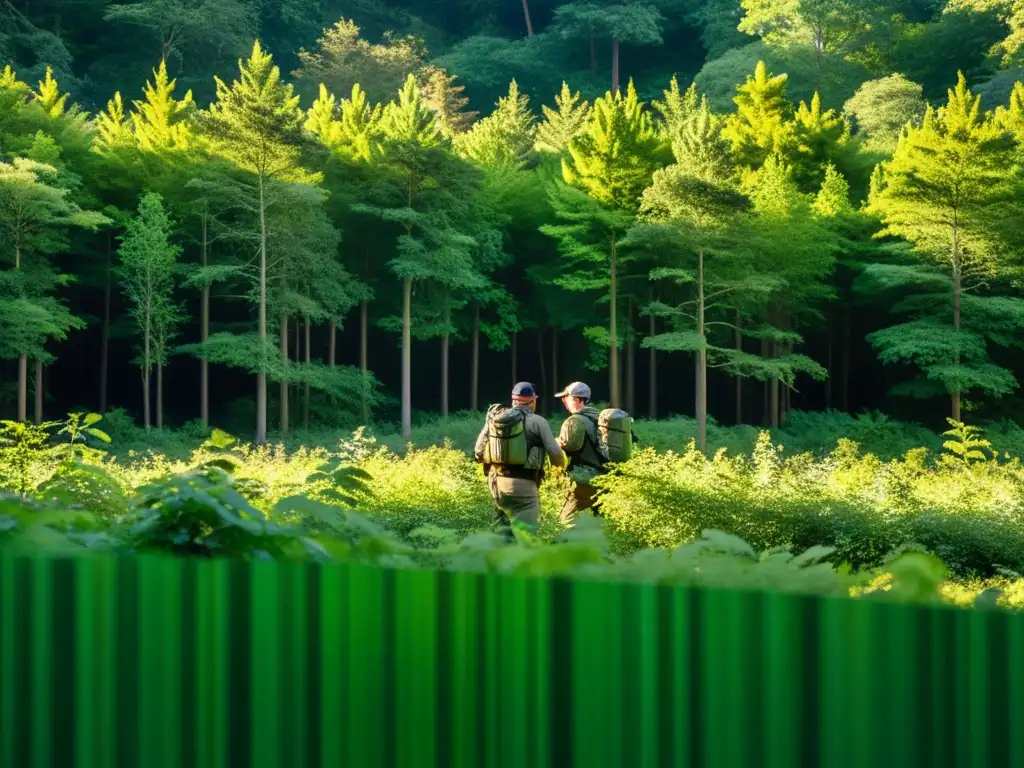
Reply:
x=8, y=661
x=266, y=666
x=334, y=694
x=42, y=660
x=168, y=663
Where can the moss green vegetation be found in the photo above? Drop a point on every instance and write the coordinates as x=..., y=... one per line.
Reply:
x=943, y=527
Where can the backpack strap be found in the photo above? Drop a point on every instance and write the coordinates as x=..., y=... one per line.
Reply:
x=594, y=441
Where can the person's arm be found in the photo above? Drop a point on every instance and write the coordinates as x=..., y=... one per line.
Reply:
x=481, y=441
x=551, y=447
x=572, y=435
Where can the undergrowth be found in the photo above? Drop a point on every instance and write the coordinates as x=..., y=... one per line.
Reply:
x=843, y=522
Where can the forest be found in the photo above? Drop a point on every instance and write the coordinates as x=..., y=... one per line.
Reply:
x=382, y=211
x=265, y=264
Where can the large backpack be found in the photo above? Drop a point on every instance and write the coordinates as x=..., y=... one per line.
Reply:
x=506, y=437
x=616, y=430
x=615, y=436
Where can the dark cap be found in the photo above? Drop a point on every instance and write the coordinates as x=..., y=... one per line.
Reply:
x=576, y=389
x=524, y=389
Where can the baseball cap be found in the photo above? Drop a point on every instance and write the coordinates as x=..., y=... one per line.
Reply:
x=576, y=389
x=524, y=389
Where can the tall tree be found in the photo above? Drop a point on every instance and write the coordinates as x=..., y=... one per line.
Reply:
x=442, y=95
x=257, y=123
x=35, y=216
x=148, y=263
x=342, y=59
x=160, y=121
x=506, y=137
x=563, y=123
x=950, y=190
x=762, y=124
x=417, y=196
x=633, y=22
x=611, y=162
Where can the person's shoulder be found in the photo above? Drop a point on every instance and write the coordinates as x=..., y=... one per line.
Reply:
x=536, y=419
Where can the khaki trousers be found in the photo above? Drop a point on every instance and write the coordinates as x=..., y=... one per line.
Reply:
x=516, y=500
x=579, y=498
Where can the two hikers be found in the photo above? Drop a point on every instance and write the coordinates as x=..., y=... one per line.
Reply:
x=514, y=441
x=512, y=447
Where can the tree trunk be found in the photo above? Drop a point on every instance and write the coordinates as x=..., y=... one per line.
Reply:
x=554, y=357
x=515, y=361
x=652, y=385
x=615, y=67
x=630, y=363
x=701, y=387
x=957, y=289
x=787, y=394
x=829, y=365
x=332, y=344
x=765, y=408
x=204, y=334
x=844, y=388
x=22, y=360
x=39, y=392
x=306, y=391
x=444, y=375
x=545, y=401
x=23, y=388
x=474, y=377
x=613, y=330
x=364, y=360
x=159, y=396
x=773, y=394
x=407, y=358
x=105, y=335
x=261, y=378
x=147, y=374
x=526, y=13
x=738, y=341
x=285, y=405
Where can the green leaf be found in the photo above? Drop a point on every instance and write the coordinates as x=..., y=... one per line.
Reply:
x=220, y=439
x=99, y=434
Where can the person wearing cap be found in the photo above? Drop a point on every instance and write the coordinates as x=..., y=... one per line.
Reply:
x=516, y=489
x=579, y=439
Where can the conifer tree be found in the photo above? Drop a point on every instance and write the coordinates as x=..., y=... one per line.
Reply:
x=424, y=184
x=611, y=162
x=256, y=122
x=445, y=98
x=564, y=123
x=342, y=58
x=676, y=108
x=160, y=121
x=800, y=251
x=950, y=190
x=148, y=263
x=505, y=138
x=762, y=124
x=696, y=224
x=113, y=127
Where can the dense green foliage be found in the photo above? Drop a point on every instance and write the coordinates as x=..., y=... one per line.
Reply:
x=327, y=184
x=674, y=518
x=328, y=210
